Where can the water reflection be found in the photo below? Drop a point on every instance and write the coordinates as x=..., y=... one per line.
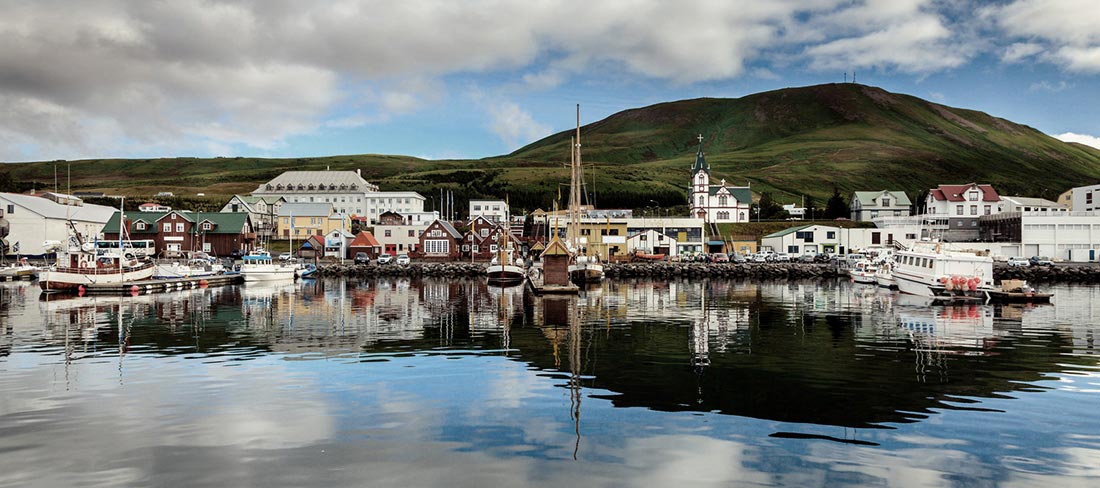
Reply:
x=647, y=383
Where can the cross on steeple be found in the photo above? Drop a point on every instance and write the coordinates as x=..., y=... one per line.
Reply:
x=700, y=138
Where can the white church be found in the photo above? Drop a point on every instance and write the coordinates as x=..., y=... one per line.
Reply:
x=716, y=203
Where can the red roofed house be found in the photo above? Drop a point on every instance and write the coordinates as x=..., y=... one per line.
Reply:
x=961, y=206
x=365, y=242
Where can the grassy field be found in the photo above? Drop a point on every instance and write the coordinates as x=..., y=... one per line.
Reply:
x=792, y=142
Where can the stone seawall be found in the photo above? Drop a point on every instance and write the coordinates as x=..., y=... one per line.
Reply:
x=1036, y=274
x=1062, y=273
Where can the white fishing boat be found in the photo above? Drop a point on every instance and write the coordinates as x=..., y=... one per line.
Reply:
x=884, y=274
x=929, y=270
x=20, y=270
x=502, y=269
x=583, y=267
x=81, y=266
x=194, y=268
x=258, y=265
x=864, y=272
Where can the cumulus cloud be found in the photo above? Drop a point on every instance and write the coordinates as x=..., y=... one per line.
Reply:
x=126, y=77
x=1060, y=31
x=514, y=125
x=906, y=35
x=1085, y=139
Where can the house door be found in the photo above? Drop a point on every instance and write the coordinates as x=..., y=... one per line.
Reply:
x=391, y=249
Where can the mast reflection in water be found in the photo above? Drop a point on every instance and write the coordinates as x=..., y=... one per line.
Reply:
x=433, y=382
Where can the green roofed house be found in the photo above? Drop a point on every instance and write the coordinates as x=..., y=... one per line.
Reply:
x=262, y=211
x=869, y=205
x=716, y=203
x=177, y=232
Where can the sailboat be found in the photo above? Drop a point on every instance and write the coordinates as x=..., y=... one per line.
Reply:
x=583, y=268
x=82, y=264
x=502, y=270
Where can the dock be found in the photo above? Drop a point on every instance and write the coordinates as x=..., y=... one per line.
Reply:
x=536, y=284
x=161, y=285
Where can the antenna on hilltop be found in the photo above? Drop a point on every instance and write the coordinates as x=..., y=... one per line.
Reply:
x=853, y=77
x=845, y=76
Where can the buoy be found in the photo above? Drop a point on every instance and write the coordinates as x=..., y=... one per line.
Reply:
x=135, y=289
x=203, y=283
x=80, y=290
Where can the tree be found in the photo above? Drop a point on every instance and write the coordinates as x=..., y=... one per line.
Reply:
x=769, y=209
x=811, y=208
x=837, y=207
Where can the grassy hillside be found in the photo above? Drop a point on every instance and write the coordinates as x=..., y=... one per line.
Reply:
x=791, y=142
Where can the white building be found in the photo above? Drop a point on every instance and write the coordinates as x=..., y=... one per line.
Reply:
x=688, y=234
x=399, y=239
x=494, y=210
x=869, y=205
x=34, y=219
x=957, y=209
x=1085, y=198
x=823, y=239
x=347, y=191
x=1028, y=204
x=651, y=241
x=1063, y=236
x=716, y=203
x=796, y=213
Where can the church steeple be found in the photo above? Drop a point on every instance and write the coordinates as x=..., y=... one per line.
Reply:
x=700, y=161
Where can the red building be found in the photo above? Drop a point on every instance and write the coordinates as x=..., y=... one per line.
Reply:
x=177, y=232
x=440, y=241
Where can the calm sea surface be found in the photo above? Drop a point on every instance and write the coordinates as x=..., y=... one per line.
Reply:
x=638, y=383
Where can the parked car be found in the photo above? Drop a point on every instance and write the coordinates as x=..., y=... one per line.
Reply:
x=286, y=256
x=1041, y=261
x=720, y=257
x=362, y=258
x=808, y=257
x=403, y=259
x=737, y=258
x=236, y=254
x=1017, y=261
x=782, y=257
x=385, y=259
x=760, y=258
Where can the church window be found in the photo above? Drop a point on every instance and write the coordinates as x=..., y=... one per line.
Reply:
x=700, y=200
x=723, y=201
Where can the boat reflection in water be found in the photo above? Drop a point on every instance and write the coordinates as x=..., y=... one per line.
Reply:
x=816, y=378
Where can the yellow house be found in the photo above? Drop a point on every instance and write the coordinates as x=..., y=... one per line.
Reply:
x=606, y=237
x=301, y=220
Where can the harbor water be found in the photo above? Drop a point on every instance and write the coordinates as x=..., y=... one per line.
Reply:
x=399, y=382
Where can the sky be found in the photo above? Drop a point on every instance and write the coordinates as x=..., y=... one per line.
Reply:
x=443, y=79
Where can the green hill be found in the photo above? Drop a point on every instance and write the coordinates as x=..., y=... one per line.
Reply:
x=792, y=142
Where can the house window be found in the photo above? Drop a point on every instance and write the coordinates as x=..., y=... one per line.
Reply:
x=206, y=247
x=875, y=239
x=484, y=232
x=958, y=209
x=723, y=201
x=1088, y=199
x=830, y=235
x=988, y=209
x=11, y=209
x=700, y=200
x=437, y=233
x=207, y=226
x=885, y=202
x=167, y=227
x=973, y=210
x=437, y=247
x=140, y=226
x=792, y=249
x=389, y=233
x=973, y=196
x=412, y=232
x=492, y=248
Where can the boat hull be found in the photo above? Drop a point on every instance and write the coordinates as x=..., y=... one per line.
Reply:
x=267, y=275
x=504, y=274
x=586, y=273
x=68, y=279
